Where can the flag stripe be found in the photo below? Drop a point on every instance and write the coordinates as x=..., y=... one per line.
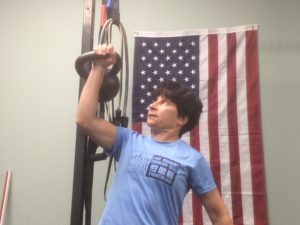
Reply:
x=246, y=187
x=197, y=208
x=137, y=127
x=233, y=131
x=180, y=219
x=213, y=108
x=258, y=186
x=187, y=210
x=203, y=94
x=223, y=124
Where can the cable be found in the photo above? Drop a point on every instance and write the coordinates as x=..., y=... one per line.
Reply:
x=106, y=38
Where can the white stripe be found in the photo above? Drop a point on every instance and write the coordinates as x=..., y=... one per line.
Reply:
x=204, y=31
x=203, y=125
x=187, y=209
x=146, y=129
x=203, y=92
x=186, y=137
x=223, y=122
x=242, y=116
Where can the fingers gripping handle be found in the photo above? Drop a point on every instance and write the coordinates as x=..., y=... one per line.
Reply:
x=111, y=84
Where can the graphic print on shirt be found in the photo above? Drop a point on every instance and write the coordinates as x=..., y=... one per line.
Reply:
x=157, y=167
x=163, y=169
x=138, y=163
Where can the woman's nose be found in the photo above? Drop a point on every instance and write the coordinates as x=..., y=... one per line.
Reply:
x=151, y=106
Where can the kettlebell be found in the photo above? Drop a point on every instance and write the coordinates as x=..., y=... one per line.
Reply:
x=111, y=83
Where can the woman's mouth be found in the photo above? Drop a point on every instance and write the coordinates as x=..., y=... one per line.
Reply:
x=151, y=115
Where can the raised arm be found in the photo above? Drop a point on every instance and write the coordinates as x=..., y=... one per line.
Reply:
x=100, y=130
x=215, y=208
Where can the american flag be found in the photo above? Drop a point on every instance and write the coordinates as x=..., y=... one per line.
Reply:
x=221, y=65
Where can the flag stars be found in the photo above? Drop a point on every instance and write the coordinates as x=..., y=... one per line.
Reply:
x=161, y=60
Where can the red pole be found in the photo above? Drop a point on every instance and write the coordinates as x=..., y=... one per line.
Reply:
x=5, y=196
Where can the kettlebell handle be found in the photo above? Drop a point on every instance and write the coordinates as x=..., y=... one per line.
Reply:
x=83, y=71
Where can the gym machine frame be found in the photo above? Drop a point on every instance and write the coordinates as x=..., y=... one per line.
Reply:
x=85, y=148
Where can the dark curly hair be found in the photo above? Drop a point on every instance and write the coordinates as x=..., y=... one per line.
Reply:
x=187, y=102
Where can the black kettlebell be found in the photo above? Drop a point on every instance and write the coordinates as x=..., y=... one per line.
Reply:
x=111, y=83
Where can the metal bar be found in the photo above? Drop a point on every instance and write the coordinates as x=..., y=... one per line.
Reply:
x=88, y=181
x=81, y=152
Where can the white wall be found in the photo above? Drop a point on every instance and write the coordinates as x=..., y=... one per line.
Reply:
x=39, y=42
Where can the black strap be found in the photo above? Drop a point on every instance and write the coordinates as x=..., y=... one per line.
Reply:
x=107, y=176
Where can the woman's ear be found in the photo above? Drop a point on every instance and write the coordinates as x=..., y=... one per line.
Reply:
x=182, y=120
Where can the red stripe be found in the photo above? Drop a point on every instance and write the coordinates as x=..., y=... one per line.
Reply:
x=180, y=218
x=197, y=207
x=254, y=126
x=235, y=172
x=197, y=210
x=137, y=126
x=213, y=108
x=195, y=138
x=3, y=196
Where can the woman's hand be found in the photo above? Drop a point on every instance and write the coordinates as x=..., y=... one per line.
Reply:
x=109, y=56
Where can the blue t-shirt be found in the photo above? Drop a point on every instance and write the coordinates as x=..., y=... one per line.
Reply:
x=152, y=180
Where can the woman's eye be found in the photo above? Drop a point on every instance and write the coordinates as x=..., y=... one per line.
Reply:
x=163, y=101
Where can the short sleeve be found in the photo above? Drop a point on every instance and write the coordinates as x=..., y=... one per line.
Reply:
x=121, y=137
x=202, y=180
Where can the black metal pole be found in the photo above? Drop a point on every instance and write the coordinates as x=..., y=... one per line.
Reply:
x=88, y=181
x=81, y=152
